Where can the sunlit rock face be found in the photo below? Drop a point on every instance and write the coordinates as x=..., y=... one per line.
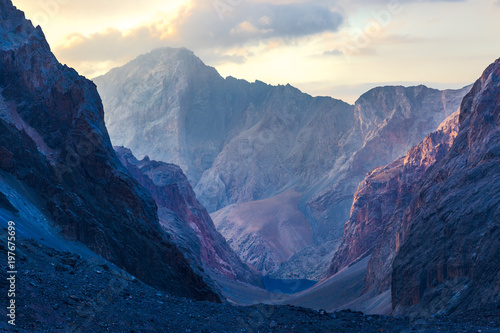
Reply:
x=389, y=121
x=430, y=221
x=184, y=218
x=374, y=228
x=53, y=141
x=241, y=142
x=448, y=260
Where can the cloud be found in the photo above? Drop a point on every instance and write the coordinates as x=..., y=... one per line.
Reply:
x=385, y=2
x=226, y=32
x=348, y=53
x=335, y=52
x=207, y=29
x=349, y=49
x=111, y=44
x=353, y=5
x=211, y=25
x=217, y=59
x=400, y=39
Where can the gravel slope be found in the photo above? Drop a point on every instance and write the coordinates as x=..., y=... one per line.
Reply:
x=61, y=292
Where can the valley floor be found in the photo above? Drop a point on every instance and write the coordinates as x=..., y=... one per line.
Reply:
x=61, y=292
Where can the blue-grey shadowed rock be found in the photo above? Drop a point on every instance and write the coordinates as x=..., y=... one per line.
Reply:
x=247, y=146
x=189, y=223
x=429, y=222
x=54, y=144
x=448, y=260
x=374, y=228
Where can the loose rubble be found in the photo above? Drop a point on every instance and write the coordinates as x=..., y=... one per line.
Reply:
x=62, y=292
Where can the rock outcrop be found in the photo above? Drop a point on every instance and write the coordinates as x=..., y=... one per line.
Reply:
x=448, y=260
x=189, y=223
x=374, y=227
x=53, y=139
x=430, y=221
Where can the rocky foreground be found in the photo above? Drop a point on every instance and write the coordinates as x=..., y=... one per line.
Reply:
x=61, y=292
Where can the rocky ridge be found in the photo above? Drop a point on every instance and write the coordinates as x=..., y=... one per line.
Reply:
x=374, y=228
x=184, y=218
x=429, y=221
x=448, y=259
x=54, y=141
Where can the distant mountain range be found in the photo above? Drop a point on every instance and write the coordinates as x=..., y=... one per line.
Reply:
x=247, y=147
x=423, y=238
x=393, y=203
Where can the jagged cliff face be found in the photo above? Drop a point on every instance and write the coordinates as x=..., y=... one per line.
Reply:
x=184, y=218
x=430, y=221
x=54, y=140
x=389, y=121
x=374, y=227
x=151, y=101
x=448, y=260
x=241, y=142
x=236, y=141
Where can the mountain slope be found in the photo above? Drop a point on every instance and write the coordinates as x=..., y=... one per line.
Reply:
x=186, y=219
x=389, y=121
x=448, y=261
x=265, y=233
x=429, y=221
x=55, y=142
x=242, y=142
x=236, y=141
x=374, y=228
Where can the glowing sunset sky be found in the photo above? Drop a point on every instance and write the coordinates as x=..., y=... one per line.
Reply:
x=336, y=48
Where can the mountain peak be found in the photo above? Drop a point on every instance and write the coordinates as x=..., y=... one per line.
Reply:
x=15, y=29
x=451, y=243
x=167, y=56
x=55, y=142
x=170, y=52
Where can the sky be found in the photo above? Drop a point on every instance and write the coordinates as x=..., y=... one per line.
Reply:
x=335, y=48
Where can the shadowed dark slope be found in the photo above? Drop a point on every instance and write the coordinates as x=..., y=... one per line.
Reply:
x=53, y=139
x=188, y=222
x=449, y=260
